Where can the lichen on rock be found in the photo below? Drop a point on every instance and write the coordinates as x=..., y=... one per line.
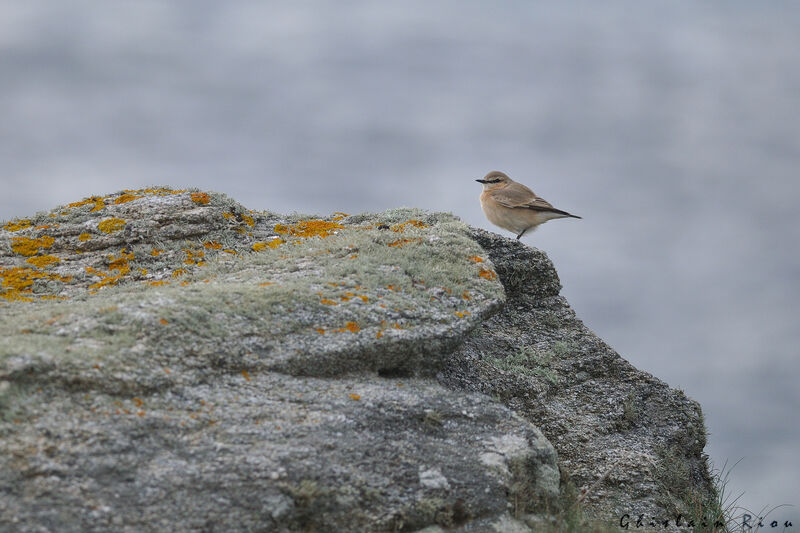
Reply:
x=217, y=368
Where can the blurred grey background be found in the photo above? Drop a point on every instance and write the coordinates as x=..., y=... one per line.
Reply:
x=672, y=127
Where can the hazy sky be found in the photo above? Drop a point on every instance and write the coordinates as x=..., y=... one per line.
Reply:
x=672, y=128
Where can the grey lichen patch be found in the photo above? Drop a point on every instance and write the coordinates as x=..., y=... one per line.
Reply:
x=526, y=360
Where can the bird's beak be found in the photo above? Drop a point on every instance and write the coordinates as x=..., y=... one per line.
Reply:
x=481, y=181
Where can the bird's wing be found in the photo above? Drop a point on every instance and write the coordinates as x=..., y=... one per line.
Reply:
x=518, y=196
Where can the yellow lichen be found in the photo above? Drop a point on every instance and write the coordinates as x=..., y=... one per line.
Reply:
x=249, y=220
x=193, y=257
x=326, y=301
x=355, y=397
x=156, y=252
x=462, y=314
x=83, y=237
x=415, y=223
x=309, y=228
x=158, y=283
x=212, y=245
x=119, y=264
x=402, y=242
x=125, y=198
x=16, y=284
x=352, y=327
x=487, y=274
x=178, y=272
x=97, y=201
x=200, y=198
x=28, y=247
x=111, y=225
x=16, y=225
x=259, y=246
x=43, y=261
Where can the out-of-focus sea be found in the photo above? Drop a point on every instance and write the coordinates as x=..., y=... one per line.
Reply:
x=673, y=128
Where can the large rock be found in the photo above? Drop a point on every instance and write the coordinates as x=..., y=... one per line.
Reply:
x=174, y=361
x=631, y=443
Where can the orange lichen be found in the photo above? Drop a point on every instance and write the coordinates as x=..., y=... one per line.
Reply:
x=16, y=225
x=212, y=245
x=156, y=252
x=355, y=397
x=200, y=198
x=402, y=242
x=138, y=402
x=487, y=274
x=120, y=264
x=178, y=272
x=193, y=257
x=249, y=220
x=125, y=198
x=326, y=301
x=97, y=201
x=476, y=259
x=266, y=284
x=462, y=314
x=16, y=284
x=465, y=295
x=415, y=223
x=274, y=243
x=163, y=321
x=28, y=247
x=229, y=251
x=309, y=228
x=379, y=334
x=83, y=237
x=246, y=375
x=259, y=246
x=320, y=331
x=111, y=225
x=43, y=261
x=352, y=327
x=158, y=283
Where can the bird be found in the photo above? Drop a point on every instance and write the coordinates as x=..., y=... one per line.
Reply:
x=513, y=206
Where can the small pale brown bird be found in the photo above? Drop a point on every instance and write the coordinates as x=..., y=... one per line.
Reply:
x=513, y=206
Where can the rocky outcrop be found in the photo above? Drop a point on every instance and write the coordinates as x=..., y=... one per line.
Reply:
x=174, y=361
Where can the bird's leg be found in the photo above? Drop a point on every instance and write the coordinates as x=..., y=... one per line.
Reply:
x=522, y=233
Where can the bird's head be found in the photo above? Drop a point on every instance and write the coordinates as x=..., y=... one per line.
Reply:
x=494, y=180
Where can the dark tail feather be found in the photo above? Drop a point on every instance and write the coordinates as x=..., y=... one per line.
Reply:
x=553, y=210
